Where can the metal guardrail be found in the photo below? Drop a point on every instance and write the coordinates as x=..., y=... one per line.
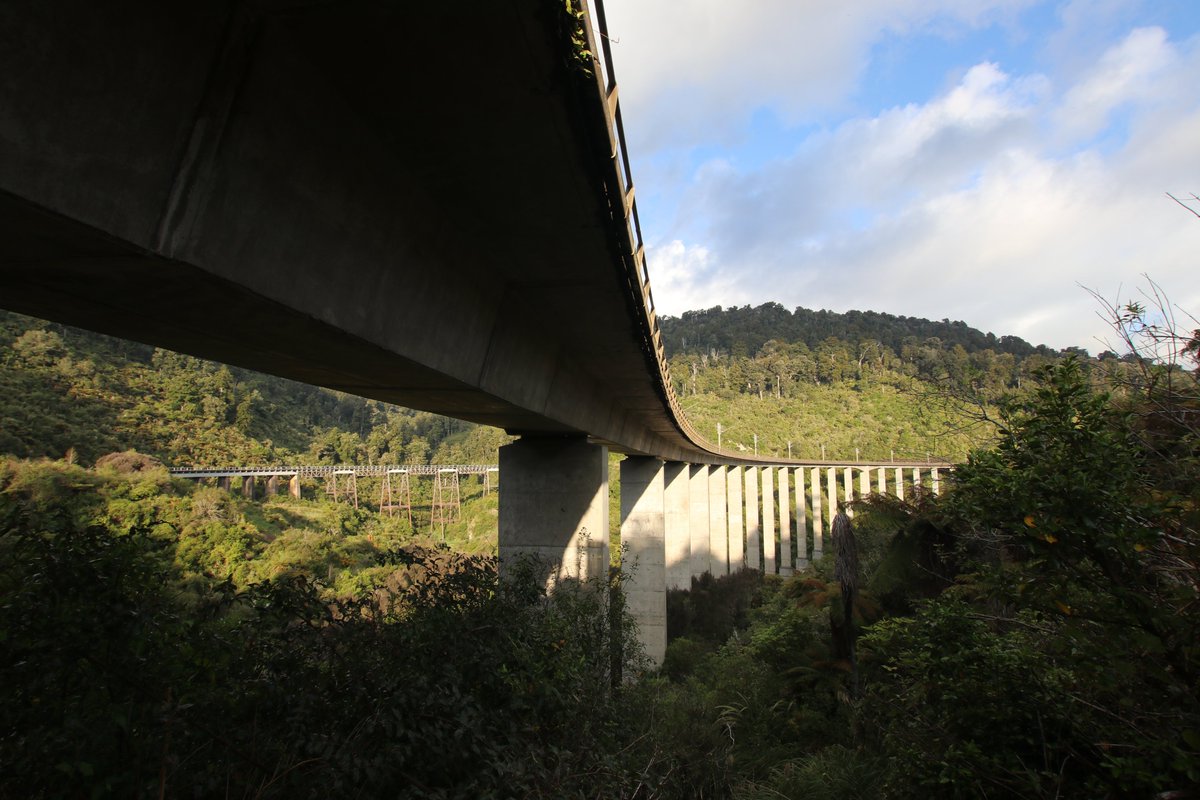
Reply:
x=635, y=254
x=635, y=249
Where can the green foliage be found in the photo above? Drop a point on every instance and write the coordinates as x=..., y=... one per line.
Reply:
x=63, y=389
x=714, y=607
x=746, y=330
x=128, y=674
x=837, y=421
x=836, y=772
x=1030, y=633
x=819, y=385
x=962, y=710
x=1062, y=662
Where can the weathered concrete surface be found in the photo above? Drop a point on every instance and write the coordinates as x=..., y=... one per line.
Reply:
x=785, y=524
x=818, y=525
x=753, y=527
x=358, y=195
x=698, y=519
x=677, y=520
x=718, y=522
x=769, y=543
x=554, y=505
x=801, y=521
x=737, y=525
x=643, y=551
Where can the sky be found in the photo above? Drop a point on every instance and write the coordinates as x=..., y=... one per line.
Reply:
x=989, y=161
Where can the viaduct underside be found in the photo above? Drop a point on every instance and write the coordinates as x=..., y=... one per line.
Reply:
x=423, y=203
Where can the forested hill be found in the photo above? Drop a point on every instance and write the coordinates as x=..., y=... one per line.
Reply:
x=65, y=389
x=842, y=385
x=744, y=330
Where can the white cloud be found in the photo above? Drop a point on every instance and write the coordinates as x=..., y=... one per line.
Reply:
x=1126, y=73
x=992, y=202
x=869, y=166
x=690, y=70
x=689, y=278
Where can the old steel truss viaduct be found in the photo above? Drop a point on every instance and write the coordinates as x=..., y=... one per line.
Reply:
x=424, y=203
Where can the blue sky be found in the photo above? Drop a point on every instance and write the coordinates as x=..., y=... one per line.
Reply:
x=979, y=160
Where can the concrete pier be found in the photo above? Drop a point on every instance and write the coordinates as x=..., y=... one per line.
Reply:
x=248, y=487
x=768, y=525
x=643, y=550
x=737, y=530
x=718, y=523
x=554, y=506
x=698, y=487
x=818, y=524
x=848, y=497
x=831, y=486
x=294, y=486
x=801, y=522
x=677, y=524
x=753, y=527
x=785, y=524
x=899, y=483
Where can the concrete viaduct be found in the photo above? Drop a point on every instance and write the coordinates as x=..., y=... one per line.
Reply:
x=423, y=203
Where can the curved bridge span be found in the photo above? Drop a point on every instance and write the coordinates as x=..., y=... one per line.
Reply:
x=424, y=203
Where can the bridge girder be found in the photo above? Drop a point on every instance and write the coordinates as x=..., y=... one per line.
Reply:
x=408, y=202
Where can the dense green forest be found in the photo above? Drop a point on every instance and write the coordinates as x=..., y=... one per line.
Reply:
x=1031, y=632
x=64, y=389
x=745, y=329
x=818, y=384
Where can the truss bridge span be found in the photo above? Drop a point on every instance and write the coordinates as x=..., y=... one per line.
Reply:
x=325, y=470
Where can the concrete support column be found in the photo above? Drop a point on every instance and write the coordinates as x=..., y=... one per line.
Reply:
x=801, y=522
x=831, y=486
x=294, y=486
x=698, y=518
x=882, y=475
x=848, y=488
x=555, y=505
x=818, y=524
x=934, y=483
x=768, y=526
x=916, y=472
x=753, y=528
x=785, y=524
x=864, y=482
x=899, y=483
x=677, y=522
x=718, y=523
x=225, y=483
x=737, y=530
x=643, y=543
x=248, y=486
x=272, y=486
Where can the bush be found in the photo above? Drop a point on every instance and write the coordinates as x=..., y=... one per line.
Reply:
x=125, y=677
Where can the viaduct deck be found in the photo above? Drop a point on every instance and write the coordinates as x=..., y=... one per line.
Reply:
x=428, y=204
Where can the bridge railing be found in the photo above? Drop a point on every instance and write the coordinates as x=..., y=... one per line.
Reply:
x=636, y=250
